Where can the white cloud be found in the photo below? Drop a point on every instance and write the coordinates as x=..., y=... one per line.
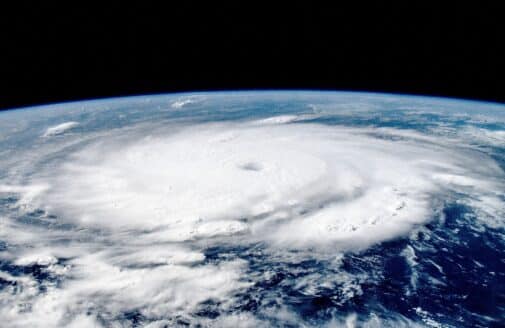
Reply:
x=282, y=119
x=183, y=102
x=59, y=129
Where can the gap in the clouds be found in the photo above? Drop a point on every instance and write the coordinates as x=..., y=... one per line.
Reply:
x=209, y=309
x=40, y=218
x=8, y=201
x=41, y=273
x=491, y=126
x=135, y=318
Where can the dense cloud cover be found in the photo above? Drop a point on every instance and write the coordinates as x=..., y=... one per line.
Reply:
x=126, y=216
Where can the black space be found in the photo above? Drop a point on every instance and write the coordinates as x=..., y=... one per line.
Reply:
x=50, y=53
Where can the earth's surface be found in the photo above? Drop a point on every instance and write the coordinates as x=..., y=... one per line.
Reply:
x=252, y=209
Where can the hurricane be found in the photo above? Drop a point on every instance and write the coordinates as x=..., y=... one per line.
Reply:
x=253, y=209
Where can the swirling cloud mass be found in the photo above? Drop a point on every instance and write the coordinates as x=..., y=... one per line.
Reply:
x=125, y=226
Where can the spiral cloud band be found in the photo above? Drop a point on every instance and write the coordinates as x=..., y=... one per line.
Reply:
x=292, y=185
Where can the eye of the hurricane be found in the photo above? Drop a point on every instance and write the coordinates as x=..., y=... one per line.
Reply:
x=251, y=166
